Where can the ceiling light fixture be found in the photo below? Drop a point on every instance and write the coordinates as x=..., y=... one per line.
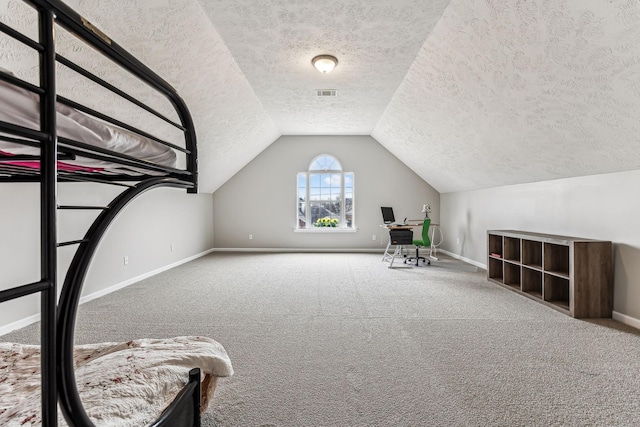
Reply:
x=324, y=63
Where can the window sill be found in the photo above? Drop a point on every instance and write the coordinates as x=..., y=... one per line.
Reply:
x=325, y=230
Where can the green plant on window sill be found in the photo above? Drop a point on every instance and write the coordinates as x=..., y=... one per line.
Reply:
x=326, y=222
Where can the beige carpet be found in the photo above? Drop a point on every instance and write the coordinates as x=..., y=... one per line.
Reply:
x=341, y=340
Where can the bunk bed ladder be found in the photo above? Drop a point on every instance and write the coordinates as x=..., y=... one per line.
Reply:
x=48, y=196
x=46, y=141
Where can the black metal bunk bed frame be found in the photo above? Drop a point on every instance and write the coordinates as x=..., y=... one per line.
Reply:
x=58, y=318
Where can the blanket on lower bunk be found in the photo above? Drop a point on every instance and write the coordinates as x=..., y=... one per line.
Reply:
x=120, y=384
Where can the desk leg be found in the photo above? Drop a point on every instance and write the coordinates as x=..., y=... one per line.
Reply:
x=433, y=249
x=387, y=256
x=396, y=253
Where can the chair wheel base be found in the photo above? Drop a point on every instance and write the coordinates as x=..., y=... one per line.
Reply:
x=417, y=260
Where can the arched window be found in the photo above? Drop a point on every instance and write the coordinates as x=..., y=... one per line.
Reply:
x=325, y=195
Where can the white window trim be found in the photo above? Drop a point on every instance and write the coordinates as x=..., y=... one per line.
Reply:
x=324, y=230
x=343, y=220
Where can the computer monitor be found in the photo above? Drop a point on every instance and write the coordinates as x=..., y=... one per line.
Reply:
x=387, y=215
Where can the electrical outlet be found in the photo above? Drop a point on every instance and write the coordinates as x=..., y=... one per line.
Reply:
x=373, y=237
x=458, y=241
x=126, y=260
x=250, y=236
x=171, y=247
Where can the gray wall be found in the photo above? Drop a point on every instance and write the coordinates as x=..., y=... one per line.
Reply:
x=144, y=232
x=600, y=207
x=261, y=199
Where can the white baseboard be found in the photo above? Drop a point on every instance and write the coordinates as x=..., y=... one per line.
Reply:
x=627, y=320
x=133, y=280
x=5, y=329
x=302, y=250
x=423, y=251
x=461, y=258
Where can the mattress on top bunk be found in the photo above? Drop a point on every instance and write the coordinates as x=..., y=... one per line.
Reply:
x=120, y=384
x=21, y=107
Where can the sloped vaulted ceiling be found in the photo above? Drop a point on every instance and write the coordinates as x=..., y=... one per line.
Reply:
x=467, y=93
x=506, y=92
x=176, y=40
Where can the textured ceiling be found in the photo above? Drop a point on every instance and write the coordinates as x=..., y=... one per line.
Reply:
x=176, y=40
x=375, y=42
x=507, y=92
x=468, y=93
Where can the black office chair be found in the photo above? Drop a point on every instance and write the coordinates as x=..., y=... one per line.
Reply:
x=424, y=243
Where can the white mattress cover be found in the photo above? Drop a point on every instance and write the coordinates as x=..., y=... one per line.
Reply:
x=21, y=107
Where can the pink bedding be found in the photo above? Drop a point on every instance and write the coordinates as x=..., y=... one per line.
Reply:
x=62, y=166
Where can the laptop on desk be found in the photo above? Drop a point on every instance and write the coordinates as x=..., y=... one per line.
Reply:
x=387, y=215
x=389, y=219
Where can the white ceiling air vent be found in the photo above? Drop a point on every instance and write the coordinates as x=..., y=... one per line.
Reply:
x=326, y=92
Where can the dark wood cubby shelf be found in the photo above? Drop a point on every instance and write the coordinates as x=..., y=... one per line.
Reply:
x=571, y=275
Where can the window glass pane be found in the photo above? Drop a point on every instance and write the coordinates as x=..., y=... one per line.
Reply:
x=316, y=165
x=335, y=209
x=325, y=163
x=320, y=194
x=317, y=211
x=302, y=212
x=314, y=194
x=314, y=180
x=348, y=180
x=325, y=179
x=302, y=217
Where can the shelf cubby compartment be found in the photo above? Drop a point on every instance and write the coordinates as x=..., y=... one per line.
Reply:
x=512, y=275
x=495, y=246
x=496, y=270
x=556, y=291
x=532, y=253
x=511, y=249
x=572, y=275
x=532, y=282
x=556, y=259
